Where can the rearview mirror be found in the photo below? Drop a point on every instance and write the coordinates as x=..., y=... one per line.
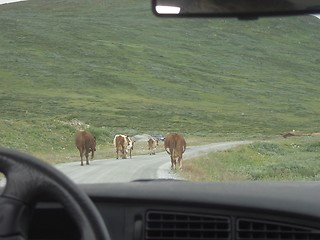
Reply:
x=234, y=8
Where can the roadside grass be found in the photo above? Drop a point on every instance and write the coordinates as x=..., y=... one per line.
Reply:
x=292, y=159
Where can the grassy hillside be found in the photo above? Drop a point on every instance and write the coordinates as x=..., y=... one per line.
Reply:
x=113, y=66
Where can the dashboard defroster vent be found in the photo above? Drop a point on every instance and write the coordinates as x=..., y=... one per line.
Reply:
x=248, y=229
x=183, y=226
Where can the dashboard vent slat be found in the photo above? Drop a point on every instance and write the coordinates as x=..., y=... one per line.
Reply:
x=183, y=226
x=249, y=229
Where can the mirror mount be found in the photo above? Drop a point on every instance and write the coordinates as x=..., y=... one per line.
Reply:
x=242, y=9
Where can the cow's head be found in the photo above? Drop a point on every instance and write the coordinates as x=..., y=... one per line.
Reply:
x=130, y=144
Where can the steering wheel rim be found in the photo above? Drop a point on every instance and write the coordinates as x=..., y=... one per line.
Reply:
x=27, y=177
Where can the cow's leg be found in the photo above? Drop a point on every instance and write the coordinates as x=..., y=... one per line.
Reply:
x=87, y=157
x=92, y=154
x=180, y=162
x=123, y=153
x=173, y=163
x=81, y=156
x=174, y=158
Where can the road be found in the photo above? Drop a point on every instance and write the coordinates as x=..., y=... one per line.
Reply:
x=139, y=167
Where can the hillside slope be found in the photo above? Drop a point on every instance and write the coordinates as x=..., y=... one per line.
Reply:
x=116, y=67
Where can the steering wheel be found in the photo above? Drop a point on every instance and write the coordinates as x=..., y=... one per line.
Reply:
x=27, y=178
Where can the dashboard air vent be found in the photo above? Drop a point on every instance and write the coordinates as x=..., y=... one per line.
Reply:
x=183, y=226
x=248, y=229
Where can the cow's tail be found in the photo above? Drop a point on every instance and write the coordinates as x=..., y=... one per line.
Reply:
x=167, y=148
x=174, y=153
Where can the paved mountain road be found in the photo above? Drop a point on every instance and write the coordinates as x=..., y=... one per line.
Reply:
x=139, y=167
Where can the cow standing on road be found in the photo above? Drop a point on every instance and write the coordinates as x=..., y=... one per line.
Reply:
x=152, y=145
x=175, y=145
x=86, y=143
x=130, y=146
x=123, y=144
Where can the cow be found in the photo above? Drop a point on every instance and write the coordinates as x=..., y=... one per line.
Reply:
x=86, y=143
x=123, y=144
x=175, y=145
x=152, y=144
x=130, y=146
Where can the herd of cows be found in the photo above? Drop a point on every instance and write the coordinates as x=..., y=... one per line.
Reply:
x=174, y=144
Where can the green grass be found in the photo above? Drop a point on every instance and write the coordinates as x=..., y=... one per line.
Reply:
x=115, y=67
x=292, y=159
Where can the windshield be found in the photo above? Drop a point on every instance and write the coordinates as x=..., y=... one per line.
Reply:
x=108, y=80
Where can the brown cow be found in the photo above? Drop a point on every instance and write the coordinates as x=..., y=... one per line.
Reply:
x=86, y=143
x=123, y=144
x=152, y=144
x=175, y=145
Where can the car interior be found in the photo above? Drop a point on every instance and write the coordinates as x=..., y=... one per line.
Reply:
x=40, y=202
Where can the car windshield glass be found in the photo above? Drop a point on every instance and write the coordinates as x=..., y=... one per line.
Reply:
x=142, y=97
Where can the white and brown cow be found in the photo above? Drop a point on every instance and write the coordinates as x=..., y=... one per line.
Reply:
x=152, y=145
x=175, y=145
x=130, y=146
x=123, y=144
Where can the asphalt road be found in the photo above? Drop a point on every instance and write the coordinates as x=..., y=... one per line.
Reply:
x=139, y=167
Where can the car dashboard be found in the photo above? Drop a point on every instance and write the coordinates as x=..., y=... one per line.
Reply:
x=179, y=210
